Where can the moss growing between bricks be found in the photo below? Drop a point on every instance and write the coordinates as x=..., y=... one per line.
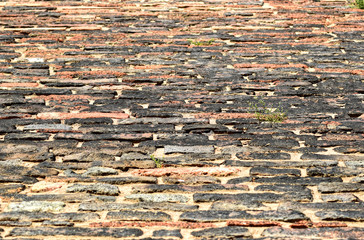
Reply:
x=358, y=4
x=158, y=162
x=265, y=113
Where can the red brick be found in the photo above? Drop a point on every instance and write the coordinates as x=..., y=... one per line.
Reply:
x=27, y=84
x=252, y=223
x=187, y=225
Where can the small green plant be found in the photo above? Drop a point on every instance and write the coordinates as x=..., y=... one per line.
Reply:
x=200, y=43
x=265, y=113
x=158, y=162
x=358, y=4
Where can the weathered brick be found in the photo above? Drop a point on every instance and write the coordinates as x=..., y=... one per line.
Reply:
x=83, y=111
x=185, y=188
x=229, y=232
x=327, y=187
x=264, y=171
x=222, y=215
x=333, y=171
x=347, y=215
x=77, y=231
x=348, y=232
x=147, y=205
x=308, y=181
x=278, y=143
x=188, y=149
x=88, y=157
x=280, y=164
x=174, y=198
x=344, y=197
x=264, y=155
x=237, y=205
x=321, y=205
x=168, y=233
x=127, y=180
x=36, y=206
x=191, y=180
x=128, y=215
x=291, y=192
x=213, y=171
x=11, y=188
x=98, y=188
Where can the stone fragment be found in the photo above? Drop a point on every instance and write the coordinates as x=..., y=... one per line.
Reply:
x=129, y=156
x=264, y=171
x=345, y=197
x=88, y=157
x=26, y=152
x=168, y=233
x=126, y=164
x=27, y=136
x=293, y=164
x=58, y=223
x=41, y=172
x=292, y=192
x=333, y=171
x=39, y=216
x=191, y=180
x=211, y=171
x=354, y=164
x=77, y=232
x=11, y=188
x=188, y=149
x=180, y=140
x=194, y=159
x=27, y=216
x=264, y=155
x=154, y=188
x=351, y=149
x=174, y=198
x=327, y=187
x=226, y=232
x=134, y=128
x=127, y=180
x=306, y=181
x=98, y=188
x=36, y=206
x=240, y=180
x=127, y=215
x=48, y=127
x=359, y=179
x=76, y=217
x=260, y=197
x=274, y=143
x=68, y=197
x=321, y=206
x=223, y=215
x=314, y=156
x=348, y=215
x=147, y=205
x=282, y=188
x=100, y=171
x=204, y=128
x=106, y=136
x=237, y=205
x=326, y=232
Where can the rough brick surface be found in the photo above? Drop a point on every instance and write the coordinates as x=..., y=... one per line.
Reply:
x=138, y=119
